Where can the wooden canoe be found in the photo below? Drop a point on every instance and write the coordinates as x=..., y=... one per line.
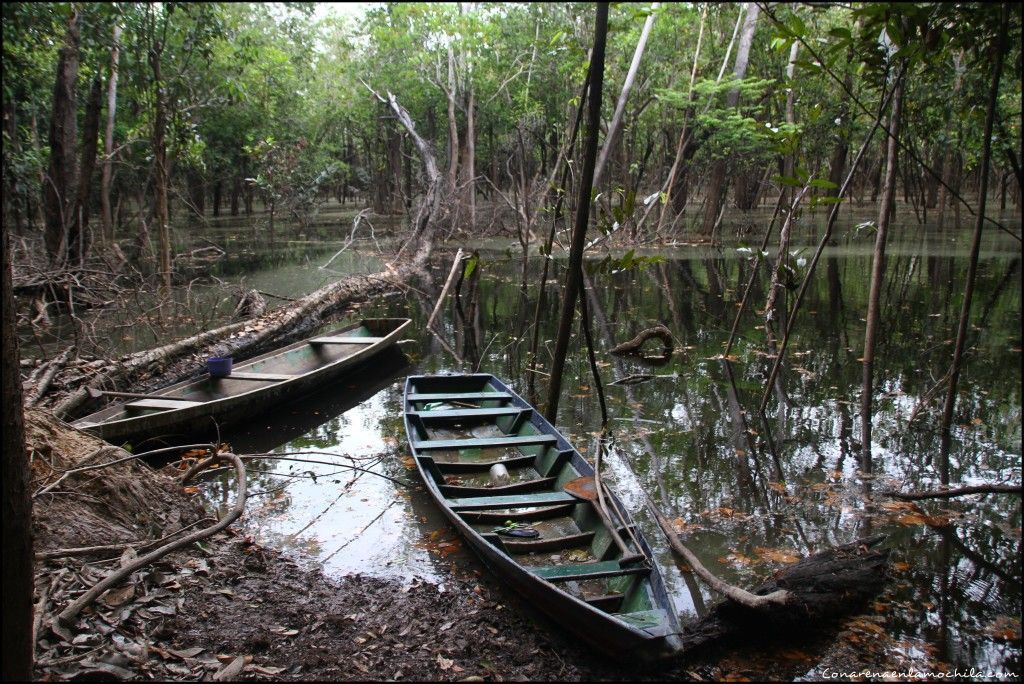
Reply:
x=203, y=405
x=459, y=428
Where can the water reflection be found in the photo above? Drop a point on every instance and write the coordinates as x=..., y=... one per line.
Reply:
x=748, y=492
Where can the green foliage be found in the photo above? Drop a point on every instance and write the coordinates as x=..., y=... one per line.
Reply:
x=626, y=263
x=275, y=92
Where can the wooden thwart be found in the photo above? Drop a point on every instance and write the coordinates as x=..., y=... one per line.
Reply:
x=266, y=377
x=483, y=503
x=459, y=396
x=525, y=486
x=162, y=404
x=455, y=467
x=567, y=573
x=486, y=442
x=345, y=340
x=469, y=413
x=552, y=544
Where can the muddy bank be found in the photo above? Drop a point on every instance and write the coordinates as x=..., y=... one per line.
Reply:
x=226, y=608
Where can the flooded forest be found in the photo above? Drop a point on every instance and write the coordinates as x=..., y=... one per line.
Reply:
x=755, y=266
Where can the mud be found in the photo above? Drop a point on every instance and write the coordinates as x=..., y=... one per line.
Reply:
x=226, y=608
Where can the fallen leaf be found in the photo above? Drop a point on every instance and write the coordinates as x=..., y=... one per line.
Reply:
x=910, y=519
x=777, y=555
x=118, y=597
x=1004, y=628
x=233, y=669
x=899, y=506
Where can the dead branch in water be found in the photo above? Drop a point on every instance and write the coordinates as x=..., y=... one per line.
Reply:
x=958, y=491
x=634, y=345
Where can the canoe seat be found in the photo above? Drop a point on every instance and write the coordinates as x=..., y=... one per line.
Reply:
x=470, y=413
x=606, y=602
x=568, y=541
x=483, y=503
x=486, y=442
x=652, y=621
x=459, y=396
x=541, y=483
x=585, y=571
x=162, y=404
x=455, y=467
x=267, y=377
x=345, y=340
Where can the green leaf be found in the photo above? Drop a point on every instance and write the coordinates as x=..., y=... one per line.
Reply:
x=787, y=180
x=822, y=183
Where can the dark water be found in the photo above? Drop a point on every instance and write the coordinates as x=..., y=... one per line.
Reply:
x=750, y=494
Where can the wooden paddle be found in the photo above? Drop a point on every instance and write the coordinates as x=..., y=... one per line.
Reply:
x=97, y=393
x=585, y=488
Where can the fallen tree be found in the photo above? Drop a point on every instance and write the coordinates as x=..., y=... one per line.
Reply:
x=183, y=358
x=820, y=587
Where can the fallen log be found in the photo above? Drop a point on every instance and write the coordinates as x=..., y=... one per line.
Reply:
x=39, y=381
x=182, y=359
x=634, y=345
x=823, y=587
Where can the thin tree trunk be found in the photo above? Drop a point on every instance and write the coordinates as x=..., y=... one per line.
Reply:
x=620, y=106
x=789, y=165
x=236, y=190
x=78, y=236
x=453, y=129
x=471, y=152
x=717, y=186
x=61, y=185
x=878, y=274
x=106, y=214
x=837, y=164
x=947, y=159
x=161, y=180
x=575, y=267
x=18, y=646
x=218, y=188
x=972, y=269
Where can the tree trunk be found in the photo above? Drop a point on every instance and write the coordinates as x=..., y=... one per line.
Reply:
x=878, y=274
x=236, y=190
x=18, y=642
x=972, y=270
x=160, y=180
x=61, y=186
x=620, y=106
x=574, y=273
x=217, y=191
x=789, y=164
x=16, y=202
x=717, y=185
x=106, y=214
x=78, y=236
x=453, y=129
x=471, y=154
x=946, y=167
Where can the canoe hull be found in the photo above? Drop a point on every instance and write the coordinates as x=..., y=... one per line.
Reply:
x=598, y=628
x=215, y=408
